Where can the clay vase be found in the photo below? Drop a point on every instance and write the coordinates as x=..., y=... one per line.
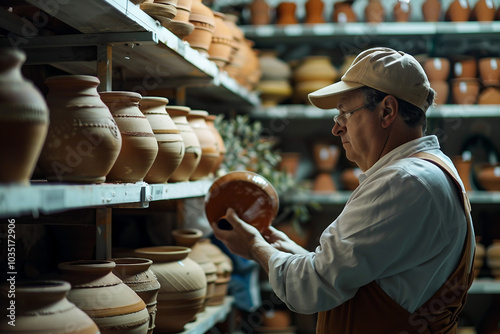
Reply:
x=313, y=72
x=83, y=141
x=273, y=68
x=183, y=286
x=458, y=11
x=24, y=120
x=221, y=148
x=208, y=143
x=343, y=12
x=260, y=12
x=493, y=258
x=286, y=13
x=374, y=12
x=238, y=35
x=314, y=12
x=139, y=146
x=113, y=306
x=42, y=307
x=437, y=68
x=180, y=25
x=489, y=95
x=479, y=256
x=204, y=24
x=224, y=268
x=136, y=273
x=193, y=151
x=171, y=147
x=402, y=11
x=289, y=163
x=431, y=10
x=465, y=67
x=222, y=42
x=274, y=85
x=325, y=158
x=465, y=91
x=350, y=178
x=489, y=70
x=483, y=11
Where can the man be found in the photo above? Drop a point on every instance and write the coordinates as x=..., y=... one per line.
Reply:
x=398, y=259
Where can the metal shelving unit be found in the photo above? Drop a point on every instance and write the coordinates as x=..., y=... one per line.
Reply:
x=209, y=317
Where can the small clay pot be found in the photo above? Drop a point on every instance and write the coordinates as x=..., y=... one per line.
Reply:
x=350, y=178
x=489, y=70
x=465, y=91
x=479, y=256
x=483, y=11
x=464, y=170
x=489, y=95
x=493, y=258
x=343, y=12
x=260, y=12
x=208, y=144
x=289, y=163
x=402, y=10
x=186, y=237
x=431, y=10
x=374, y=12
x=203, y=20
x=437, y=68
x=314, y=12
x=325, y=156
x=286, y=13
x=458, y=11
x=222, y=42
x=219, y=141
x=442, y=88
x=464, y=67
x=324, y=183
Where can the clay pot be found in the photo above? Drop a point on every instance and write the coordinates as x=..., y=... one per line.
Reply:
x=180, y=25
x=163, y=12
x=238, y=35
x=273, y=68
x=489, y=95
x=464, y=67
x=183, y=286
x=437, y=68
x=208, y=144
x=442, y=89
x=465, y=91
x=350, y=178
x=221, y=148
x=488, y=177
x=171, y=146
x=286, y=13
x=42, y=307
x=463, y=167
x=479, y=256
x=402, y=10
x=489, y=70
x=252, y=197
x=483, y=11
x=203, y=20
x=493, y=258
x=315, y=68
x=186, y=237
x=343, y=12
x=273, y=92
x=24, y=120
x=192, y=155
x=222, y=42
x=135, y=273
x=324, y=183
x=289, y=163
x=325, y=156
x=260, y=12
x=458, y=11
x=374, y=12
x=277, y=319
x=139, y=146
x=113, y=306
x=431, y=10
x=314, y=12
x=83, y=141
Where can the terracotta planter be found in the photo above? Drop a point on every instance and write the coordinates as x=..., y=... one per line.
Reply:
x=315, y=68
x=442, y=89
x=42, y=307
x=402, y=10
x=83, y=141
x=273, y=92
x=325, y=156
x=479, y=256
x=286, y=13
x=171, y=146
x=431, y=10
x=374, y=12
x=314, y=12
x=159, y=11
x=350, y=178
x=458, y=11
x=204, y=24
x=192, y=155
x=186, y=237
x=260, y=12
x=488, y=177
x=222, y=42
x=273, y=68
x=343, y=13
x=24, y=120
x=238, y=35
x=113, y=306
x=483, y=11
x=221, y=148
x=289, y=162
x=464, y=67
x=139, y=145
x=489, y=70
x=135, y=273
x=437, y=68
x=465, y=91
x=463, y=167
x=180, y=25
x=324, y=183
x=489, y=95
x=277, y=319
x=183, y=286
x=493, y=258
x=208, y=144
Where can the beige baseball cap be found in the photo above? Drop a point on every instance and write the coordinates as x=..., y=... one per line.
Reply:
x=389, y=71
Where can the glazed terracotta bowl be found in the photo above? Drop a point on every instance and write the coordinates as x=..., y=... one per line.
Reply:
x=252, y=197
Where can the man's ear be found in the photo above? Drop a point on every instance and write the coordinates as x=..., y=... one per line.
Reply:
x=389, y=111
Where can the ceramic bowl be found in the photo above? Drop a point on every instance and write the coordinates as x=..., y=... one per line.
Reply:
x=252, y=197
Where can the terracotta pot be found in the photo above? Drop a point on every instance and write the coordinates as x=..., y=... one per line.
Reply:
x=350, y=178
x=289, y=163
x=222, y=42
x=324, y=183
x=458, y=11
x=374, y=12
x=186, y=237
x=465, y=91
x=402, y=10
x=286, y=13
x=273, y=92
x=437, y=68
x=489, y=95
x=465, y=67
x=139, y=145
x=136, y=273
x=83, y=141
x=276, y=319
x=159, y=11
x=210, y=271
x=204, y=24
x=325, y=156
x=489, y=70
x=24, y=120
x=493, y=258
x=192, y=155
x=183, y=286
x=42, y=307
x=442, y=89
x=315, y=68
x=208, y=144
x=488, y=176
x=260, y=12
x=343, y=13
x=221, y=148
x=483, y=11
x=180, y=25
x=238, y=35
x=479, y=256
x=314, y=12
x=273, y=68
x=171, y=146
x=464, y=170
x=431, y=10
x=113, y=306
x=252, y=197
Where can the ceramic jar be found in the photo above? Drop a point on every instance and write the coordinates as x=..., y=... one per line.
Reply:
x=42, y=307
x=325, y=159
x=458, y=11
x=260, y=12
x=139, y=146
x=489, y=95
x=238, y=35
x=209, y=148
x=136, y=273
x=431, y=10
x=83, y=141
x=350, y=178
x=313, y=72
x=193, y=151
x=464, y=67
x=24, y=120
x=222, y=42
x=343, y=12
x=274, y=85
x=442, y=89
x=171, y=147
x=402, y=10
x=286, y=13
x=204, y=24
x=314, y=11
x=374, y=12
x=289, y=163
x=183, y=286
x=162, y=10
x=483, y=11
x=493, y=258
x=180, y=25
x=489, y=70
x=488, y=176
x=437, y=68
x=221, y=148
x=113, y=306
x=465, y=91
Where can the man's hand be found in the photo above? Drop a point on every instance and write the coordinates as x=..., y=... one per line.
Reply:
x=282, y=242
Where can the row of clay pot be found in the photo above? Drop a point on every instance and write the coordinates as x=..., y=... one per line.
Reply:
x=489, y=255
x=458, y=11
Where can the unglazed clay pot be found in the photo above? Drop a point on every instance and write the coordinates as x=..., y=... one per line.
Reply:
x=83, y=141
x=464, y=67
x=183, y=286
x=437, y=68
x=489, y=95
x=374, y=12
x=136, y=273
x=186, y=237
x=465, y=91
x=260, y=12
x=204, y=24
x=252, y=197
x=314, y=12
x=221, y=148
x=113, y=306
x=458, y=11
x=402, y=10
x=350, y=178
x=488, y=176
x=273, y=68
x=159, y=11
x=463, y=165
x=442, y=88
x=139, y=145
x=343, y=12
x=222, y=42
x=479, y=256
x=208, y=144
x=493, y=258
x=483, y=11
x=180, y=25
x=489, y=70
x=431, y=10
x=289, y=163
x=325, y=159
x=192, y=155
x=171, y=148
x=286, y=13
x=24, y=120
x=42, y=307
x=315, y=68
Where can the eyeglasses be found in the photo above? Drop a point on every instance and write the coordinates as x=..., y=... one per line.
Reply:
x=341, y=119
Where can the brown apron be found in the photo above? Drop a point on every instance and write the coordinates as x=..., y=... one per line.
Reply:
x=372, y=311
